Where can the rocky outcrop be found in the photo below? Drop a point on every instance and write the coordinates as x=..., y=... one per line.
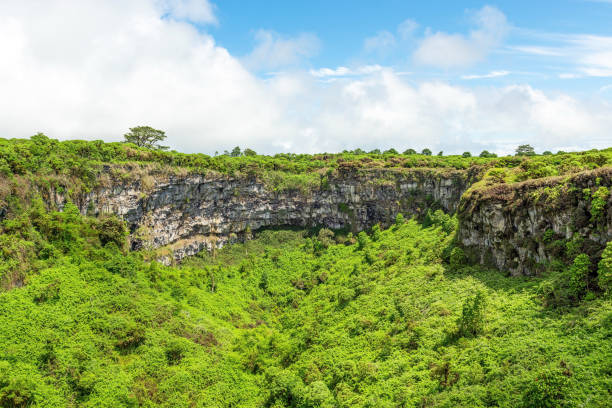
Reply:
x=515, y=227
x=188, y=213
x=519, y=227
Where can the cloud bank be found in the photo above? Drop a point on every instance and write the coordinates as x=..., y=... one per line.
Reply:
x=445, y=50
x=94, y=69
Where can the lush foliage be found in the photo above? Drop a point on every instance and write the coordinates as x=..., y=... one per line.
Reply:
x=76, y=164
x=386, y=318
x=289, y=319
x=146, y=136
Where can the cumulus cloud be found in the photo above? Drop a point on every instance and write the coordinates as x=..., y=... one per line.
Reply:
x=94, y=69
x=275, y=51
x=197, y=11
x=445, y=50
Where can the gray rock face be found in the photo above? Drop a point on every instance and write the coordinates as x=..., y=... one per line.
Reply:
x=194, y=212
x=518, y=227
x=514, y=227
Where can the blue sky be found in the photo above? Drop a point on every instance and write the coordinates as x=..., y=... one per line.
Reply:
x=343, y=27
x=311, y=76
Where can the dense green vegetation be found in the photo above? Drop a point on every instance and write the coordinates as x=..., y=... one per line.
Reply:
x=76, y=165
x=291, y=319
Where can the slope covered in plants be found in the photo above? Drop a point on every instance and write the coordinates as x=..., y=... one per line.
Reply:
x=392, y=318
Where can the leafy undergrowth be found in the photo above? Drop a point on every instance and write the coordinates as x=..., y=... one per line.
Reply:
x=289, y=319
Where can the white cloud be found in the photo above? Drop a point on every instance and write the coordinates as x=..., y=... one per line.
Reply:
x=539, y=50
x=274, y=51
x=344, y=71
x=591, y=55
x=492, y=74
x=407, y=28
x=457, y=50
x=385, y=41
x=94, y=69
x=197, y=11
x=381, y=42
x=569, y=75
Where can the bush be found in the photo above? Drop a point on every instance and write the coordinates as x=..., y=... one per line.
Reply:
x=578, y=275
x=604, y=271
x=112, y=229
x=598, y=204
x=440, y=218
x=547, y=390
x=457, y=258
x=326, y=237
x=567, y=286
x=471, y=321
x=362, y=240
x=376, y=232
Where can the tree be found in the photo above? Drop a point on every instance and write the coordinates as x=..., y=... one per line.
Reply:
x=249, y=152
x=466, y=154
x=236, y=152
x=146, y=136
x=390, y=151
x=525, y=150
x=375, y=151
x=486, y=153
x=547, y=153
x=426, y=152
x=440, y=153
x=410, y=151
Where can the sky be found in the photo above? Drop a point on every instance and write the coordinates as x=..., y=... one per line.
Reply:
x=311, y=76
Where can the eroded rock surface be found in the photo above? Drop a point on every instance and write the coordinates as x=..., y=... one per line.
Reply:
x=193, y=212
x=519, y=227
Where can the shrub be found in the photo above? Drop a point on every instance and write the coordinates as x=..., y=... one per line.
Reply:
x=604, y=271
x=598, y=204
x=16, y=392
x=574, y=246
x=112, y=229
x=325, y=237
x=471, y=321
x=121, y=265
x=376, y=232
x=440, y=218
x=578, y=275
x=457, y=258
x=547, y=390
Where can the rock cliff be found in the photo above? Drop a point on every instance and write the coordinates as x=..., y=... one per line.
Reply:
x=187, y=213
x=515, y=227
x=519, y=227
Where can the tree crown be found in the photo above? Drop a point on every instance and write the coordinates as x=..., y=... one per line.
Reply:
x=146, y=136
